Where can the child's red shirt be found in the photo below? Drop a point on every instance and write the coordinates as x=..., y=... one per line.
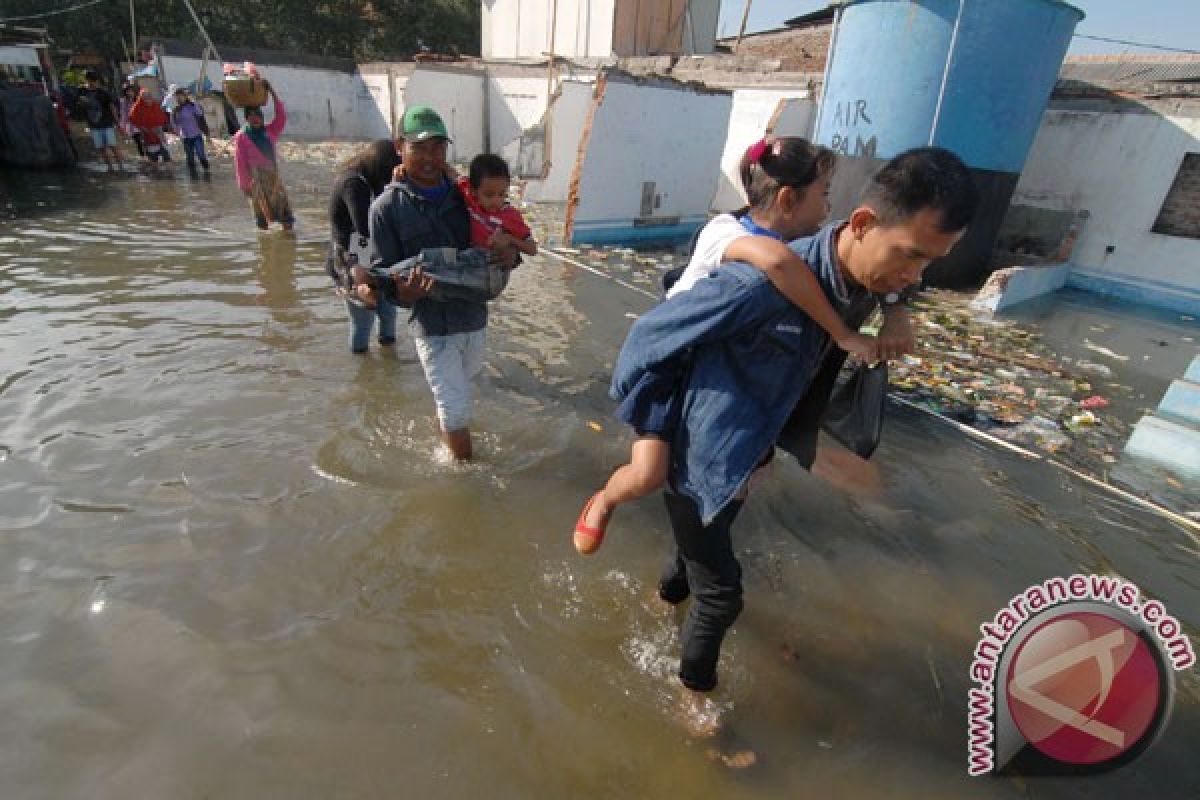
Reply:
x=485, y=223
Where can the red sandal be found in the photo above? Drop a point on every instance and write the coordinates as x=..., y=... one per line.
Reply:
x=588, y=539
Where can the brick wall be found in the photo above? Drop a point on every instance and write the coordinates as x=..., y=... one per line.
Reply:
x=798, y=49
x=1180, y=214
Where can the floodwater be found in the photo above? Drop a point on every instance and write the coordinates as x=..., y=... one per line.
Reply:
x=233, y=563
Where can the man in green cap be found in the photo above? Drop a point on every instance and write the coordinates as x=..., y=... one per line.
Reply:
x=425, y=210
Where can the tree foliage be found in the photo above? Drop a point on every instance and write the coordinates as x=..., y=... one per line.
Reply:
x=363, y=30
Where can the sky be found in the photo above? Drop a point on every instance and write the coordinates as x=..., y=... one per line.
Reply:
x=1169, y=23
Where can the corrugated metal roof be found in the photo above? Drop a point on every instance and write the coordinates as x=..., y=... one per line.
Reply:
x=1132, y=72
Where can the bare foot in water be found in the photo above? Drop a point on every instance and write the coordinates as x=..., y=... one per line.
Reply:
x=701, y=716
x=739, y=759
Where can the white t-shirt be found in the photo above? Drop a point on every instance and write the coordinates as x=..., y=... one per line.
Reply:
x=711, y=245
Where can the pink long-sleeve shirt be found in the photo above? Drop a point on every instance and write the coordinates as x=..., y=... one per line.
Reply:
x=247, y=156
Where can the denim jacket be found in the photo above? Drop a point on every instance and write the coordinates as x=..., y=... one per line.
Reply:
x=403, y=223
x=753, y=355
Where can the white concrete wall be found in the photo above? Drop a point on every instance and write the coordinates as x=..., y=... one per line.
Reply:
x=521, y=28
x=515, y=103
x=456, y=95
x=751, y=114
x=670, y=135
x=321, y=104
x=1119, y=167
x=374, y=102
x=20, y=55
x=568, y=115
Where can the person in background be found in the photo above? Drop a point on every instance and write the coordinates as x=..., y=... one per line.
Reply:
x=256, y=165
x=148, y=117
x=102, y=117
x=129, y=95
x=60, y=113
x=361, y=178
x=192, y=128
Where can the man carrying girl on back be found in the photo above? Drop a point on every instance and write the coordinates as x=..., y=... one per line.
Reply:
x=751, y=358
x=786, y=181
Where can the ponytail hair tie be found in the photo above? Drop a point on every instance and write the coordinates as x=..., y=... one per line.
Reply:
x=755, y=151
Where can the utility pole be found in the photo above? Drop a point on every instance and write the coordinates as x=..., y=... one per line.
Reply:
x=133, y=31
x=200, y=25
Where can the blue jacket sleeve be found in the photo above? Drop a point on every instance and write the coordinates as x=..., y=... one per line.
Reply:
x=720, y=307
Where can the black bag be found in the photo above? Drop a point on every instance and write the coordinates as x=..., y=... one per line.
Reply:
x=855, y=413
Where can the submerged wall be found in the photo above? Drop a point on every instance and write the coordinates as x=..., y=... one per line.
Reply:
x=1119, y=167
x=647, y=168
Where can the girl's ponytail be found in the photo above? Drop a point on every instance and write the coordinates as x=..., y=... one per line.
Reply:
x=771, y=164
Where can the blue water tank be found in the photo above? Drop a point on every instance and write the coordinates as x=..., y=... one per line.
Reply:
x=972, y=76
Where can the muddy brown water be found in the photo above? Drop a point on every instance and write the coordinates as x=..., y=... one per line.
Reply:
x=233, y=563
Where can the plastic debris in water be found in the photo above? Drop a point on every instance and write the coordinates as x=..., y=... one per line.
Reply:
x=1104, y=351
x=1085, y=420
x=1093, y=402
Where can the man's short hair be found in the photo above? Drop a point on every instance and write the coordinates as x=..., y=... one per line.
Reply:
x=926, y=177
x=91, y=75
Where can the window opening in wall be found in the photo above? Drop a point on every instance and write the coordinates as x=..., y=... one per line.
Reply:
x=1180, y=212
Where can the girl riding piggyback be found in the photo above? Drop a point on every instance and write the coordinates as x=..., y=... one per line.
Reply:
x=786, y=181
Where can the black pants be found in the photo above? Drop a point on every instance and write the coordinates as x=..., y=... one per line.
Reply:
x=705, y=567
x=799, y=434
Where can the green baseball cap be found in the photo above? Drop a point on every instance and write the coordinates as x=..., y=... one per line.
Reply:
x=422, y=123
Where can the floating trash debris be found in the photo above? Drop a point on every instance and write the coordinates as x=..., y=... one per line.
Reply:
x=997, y=376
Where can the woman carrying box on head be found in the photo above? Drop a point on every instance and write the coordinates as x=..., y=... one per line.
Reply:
x=257, y=166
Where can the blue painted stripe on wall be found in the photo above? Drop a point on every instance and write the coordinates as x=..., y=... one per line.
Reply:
x=1151, y=293
x=631, y=234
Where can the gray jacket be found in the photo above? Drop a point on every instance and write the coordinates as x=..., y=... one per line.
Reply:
x=403, y=223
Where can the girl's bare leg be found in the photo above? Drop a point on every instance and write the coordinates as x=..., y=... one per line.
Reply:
x=645, y=473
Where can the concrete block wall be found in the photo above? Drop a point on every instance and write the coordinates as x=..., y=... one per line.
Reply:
x=1171, y=435
x=321, y=103
x=1119, y=252
x=638, y=180
x=456, y=94
x=517, y=102
x=756, y=113
x=797, y=49
x=1012, y=286
x=566, y=120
